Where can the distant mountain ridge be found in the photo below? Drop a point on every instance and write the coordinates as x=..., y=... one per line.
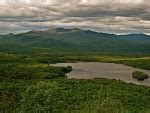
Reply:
x=136, y=37
x=76, y=40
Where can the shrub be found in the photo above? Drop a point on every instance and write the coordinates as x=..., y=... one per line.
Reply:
x=139, y=75
x=66, y=69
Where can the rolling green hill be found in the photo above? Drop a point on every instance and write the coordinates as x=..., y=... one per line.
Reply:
x=76, y=40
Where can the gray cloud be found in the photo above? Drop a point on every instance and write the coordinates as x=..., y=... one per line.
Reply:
x=117, y=16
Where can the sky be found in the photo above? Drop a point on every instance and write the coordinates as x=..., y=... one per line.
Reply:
x=112, y=16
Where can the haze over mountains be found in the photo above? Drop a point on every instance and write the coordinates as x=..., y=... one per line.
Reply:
x=76, y=40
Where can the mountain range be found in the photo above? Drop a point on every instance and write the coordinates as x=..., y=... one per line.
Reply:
x=75, y=40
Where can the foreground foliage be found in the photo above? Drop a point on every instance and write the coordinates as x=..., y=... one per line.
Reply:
x=92, y=95
x=57, y=95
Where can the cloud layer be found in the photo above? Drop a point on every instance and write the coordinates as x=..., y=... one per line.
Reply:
x=117, y=16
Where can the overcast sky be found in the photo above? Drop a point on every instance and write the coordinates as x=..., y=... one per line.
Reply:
x=113, y=16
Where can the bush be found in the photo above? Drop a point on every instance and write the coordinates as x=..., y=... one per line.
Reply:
x=66, y=69
x=139, y=75
x=40, y=97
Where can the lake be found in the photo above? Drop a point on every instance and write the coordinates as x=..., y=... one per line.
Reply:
x=91, y=70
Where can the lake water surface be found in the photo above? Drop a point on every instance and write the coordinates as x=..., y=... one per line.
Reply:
x=90, y=70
